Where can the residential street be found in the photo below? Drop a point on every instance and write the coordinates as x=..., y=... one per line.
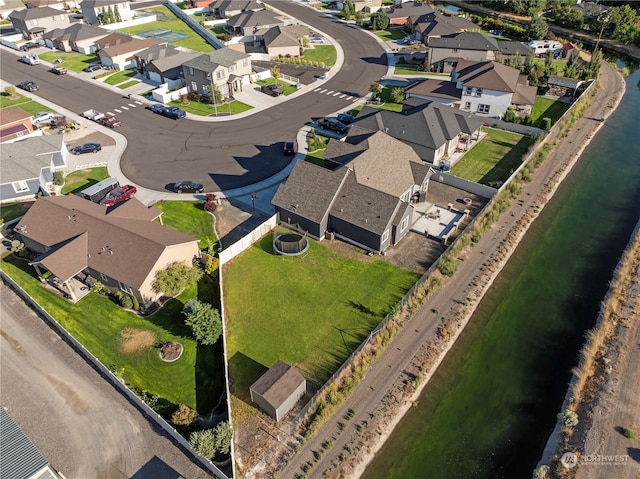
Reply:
x=379, y=402
x=77, y=419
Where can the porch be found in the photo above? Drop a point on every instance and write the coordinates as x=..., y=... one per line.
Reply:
x=73, y=289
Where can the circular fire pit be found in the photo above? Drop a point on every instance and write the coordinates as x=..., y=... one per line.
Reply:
x=170, y=352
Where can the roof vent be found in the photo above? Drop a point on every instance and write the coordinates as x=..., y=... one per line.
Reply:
x=366, y=220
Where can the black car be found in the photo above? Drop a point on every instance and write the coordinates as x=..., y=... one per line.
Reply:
x=173, y=112
x=28, y=46
x=333, y=125
x=86, y=148
x=155, y=107
x=272, y=89
x=346, y=118
x=289, y=148
x=188, y=187
x=29, y=85
x=93, y=67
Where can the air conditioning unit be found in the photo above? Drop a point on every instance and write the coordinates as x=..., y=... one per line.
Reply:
x=329, y=235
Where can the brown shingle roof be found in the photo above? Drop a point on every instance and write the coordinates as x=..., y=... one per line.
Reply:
x=490, y=75
x=122, y=242
x=9, y=115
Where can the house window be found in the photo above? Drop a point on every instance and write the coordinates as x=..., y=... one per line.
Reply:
x=467, y=91
x=34, y=22
x=483, y=108
x=478, y=91
x=20, y=186
x=467, y=105
x=220, y=74
x=404, y=224
x=194, y=86
x=245, y=62
x=232, y=67
x=385, y=236
x=124, y=287
x=454, y=50
x=104, y=277
x=191, y=71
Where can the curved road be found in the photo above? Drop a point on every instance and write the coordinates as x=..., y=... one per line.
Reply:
x=221, y=155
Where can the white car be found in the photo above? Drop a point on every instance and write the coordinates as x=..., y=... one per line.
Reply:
x=42, y=117
x=30, y=59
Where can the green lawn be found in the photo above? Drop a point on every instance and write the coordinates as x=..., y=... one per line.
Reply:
x=120, y=76
x=124, y=86
x=322, y=54
x=11, y=211
x=547, y=108
x=389, y=35
x=557, y=66
x=168, y=21
x=494, y=158
x=20, y=101
x=196, y=379
x=71, y=61
x=407, y=70
x=311, y=311
x=207, y=109
x=287, y=88
x=189, y=217
x=81, y=179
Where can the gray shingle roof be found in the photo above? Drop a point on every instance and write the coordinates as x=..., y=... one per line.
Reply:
x=285, y=35
x=407, y=9
x=436, y=24
x=242, y=5
x=208, y=62
x=100, y=3
x=309, y=190
x=35, y=13
x=123, y=242
x=76, y=32
x=278, y=383
x=465, y=41
x=25, y=159
x=258, y=18
x=513, y=48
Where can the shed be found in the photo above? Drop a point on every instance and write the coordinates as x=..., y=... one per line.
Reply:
x=278, y=390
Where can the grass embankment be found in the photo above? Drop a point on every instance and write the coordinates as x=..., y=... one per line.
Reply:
x=208, y=109
x=311, y=311
x=326, y=54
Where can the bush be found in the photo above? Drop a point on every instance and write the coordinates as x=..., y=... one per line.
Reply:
x=509, y=115
x=184, y=416
x=210, y=206
x=568, y=418
x=629, y=433
x=211, y=196
x=211, y=265
x=126, y=301
x=546, y=123
x=58, y=178
x=136, y=303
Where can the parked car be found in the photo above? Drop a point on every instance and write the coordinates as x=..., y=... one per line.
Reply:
x=59, y=70
x=346, y=118
x=29, y=85
x=271, y=89
x=173, y=112
x=119, y=195
x=86, y=148
x=42, y=117
x=30, y=59
x=188, y=187
x=25, y=47
x=93, y=67
x=333, y=125
x=155, y=107
x=289, y=147
x=109, y=120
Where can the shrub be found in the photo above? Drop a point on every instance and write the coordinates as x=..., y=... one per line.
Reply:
x=136, y=303
x=190, y=306
x=211, y=197
x=126, y=301
x=210, y=206
x=509, y=115
x=10, y=90
x=58, y=178
x=118, y=295
x=16, y=246
x=546, y=123
x=211, y=265
x=184, y=416
x=175, y=277
x=629, y=433
x=568, y=418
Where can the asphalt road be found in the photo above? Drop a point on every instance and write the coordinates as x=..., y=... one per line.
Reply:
x=78, y=421
x=221, y=155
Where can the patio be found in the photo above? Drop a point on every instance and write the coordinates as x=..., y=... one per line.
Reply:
x=73, y=290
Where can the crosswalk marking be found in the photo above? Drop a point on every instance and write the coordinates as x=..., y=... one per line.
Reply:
x=336, y=93
x=138, y=102
x=116, y=110
x=124, y=108
x=132, y=105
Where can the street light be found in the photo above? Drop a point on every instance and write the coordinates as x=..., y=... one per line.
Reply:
x=254, y=195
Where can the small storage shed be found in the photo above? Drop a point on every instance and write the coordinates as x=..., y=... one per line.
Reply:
x=278, y=390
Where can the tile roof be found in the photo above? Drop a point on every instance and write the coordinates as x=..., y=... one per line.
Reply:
x=487, y=75
x=122, y=242
x=25, y=159
x=278, y=383
x=310, y=190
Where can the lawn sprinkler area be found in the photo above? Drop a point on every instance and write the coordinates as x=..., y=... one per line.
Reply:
x=437, y=222
x=164, y=35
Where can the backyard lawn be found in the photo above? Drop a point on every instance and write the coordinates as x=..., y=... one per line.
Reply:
x=287, y=88
x=11, y=211
x=168, y=21
x=81, y=179
x=127, y=344
x=20, y=101
x=494, y=158
x=547, y=108
x=311, y=311
x=190, y=218
x=391, y=34
x=322, y=54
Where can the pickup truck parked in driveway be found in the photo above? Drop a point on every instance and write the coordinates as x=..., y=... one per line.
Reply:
x=102, y=118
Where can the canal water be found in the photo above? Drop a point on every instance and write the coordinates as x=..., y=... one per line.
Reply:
x=491, y=406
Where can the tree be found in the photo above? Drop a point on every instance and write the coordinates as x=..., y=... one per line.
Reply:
x=203, y=443
x=10, y=90
x=205, y=323
x=376, y=89
x=348, y=10
x=360, y=18
x=593, y=68
x=184, y=416
x=529, y=62
x=116, y=14
x=175, y=277
x=537, y=29
x=536, y=7
x=380, y=21
x=574, y=65
x=397, y=95
x=223, y=435
x=548, y=64
x=58, y=178
x=275, y=73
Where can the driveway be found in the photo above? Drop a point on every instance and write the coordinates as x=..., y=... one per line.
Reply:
x=78, y=421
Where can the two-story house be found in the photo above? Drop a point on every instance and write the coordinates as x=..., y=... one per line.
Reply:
x=229, y=8
x=34, y=22
x=93, y=11
x=366, y=202
x=251, y=22
x=27, y=166
x=434, y=24
x=163, y=64
x=225, y=69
